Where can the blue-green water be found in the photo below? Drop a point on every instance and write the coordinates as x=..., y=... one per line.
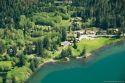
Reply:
x=104, y=67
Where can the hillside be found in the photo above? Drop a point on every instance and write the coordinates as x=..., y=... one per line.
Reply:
x=34, y=31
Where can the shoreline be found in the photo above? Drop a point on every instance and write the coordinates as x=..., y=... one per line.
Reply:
x=84, y=57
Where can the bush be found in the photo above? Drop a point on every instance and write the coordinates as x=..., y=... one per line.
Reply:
x=44, y=19
x=1, y=79
x=20, y=73
x=7, y=58
x=83, y=52
x=65, y=16
x=2, y=47
x=34, y=63
x=28, y=49
x=37, y=34
x=1, y=68
x=57, y=19
x=5, y=65
x=66, y=53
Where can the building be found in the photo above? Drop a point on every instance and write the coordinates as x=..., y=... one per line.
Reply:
x=89, y=32
x=65, y=43
x=102, y=32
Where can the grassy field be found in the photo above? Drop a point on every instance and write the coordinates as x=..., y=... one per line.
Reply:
x=92, y=45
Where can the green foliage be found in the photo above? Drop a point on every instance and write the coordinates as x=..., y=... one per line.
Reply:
x=29, y=49
x=63, y=54
x=75, y=43
x=46, y=42
x=11, y=11
x=69, y=51
x=36, y=34
x=39, y=48
x=20, y=74
x=5, y=65
x=22, y=60
x=37, y=28
x=83, y=52
x=34, y=64
x=1, y=79
x=46, y=19
x=66, y=53
x=25, y=24
x=23, y=21
x=2, y=47
x=65, y=16
x=63, y=34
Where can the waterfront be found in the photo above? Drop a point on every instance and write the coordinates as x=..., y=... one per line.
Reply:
x=105, y=66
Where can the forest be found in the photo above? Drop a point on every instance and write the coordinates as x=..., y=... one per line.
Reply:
x=31, y=31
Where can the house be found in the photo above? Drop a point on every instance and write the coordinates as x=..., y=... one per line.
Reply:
x=102, y=32
x=113, y=31
x=89, y=32
x=79, y=32
x=65, y=43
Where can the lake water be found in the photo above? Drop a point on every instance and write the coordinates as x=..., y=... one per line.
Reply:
x=106, y=66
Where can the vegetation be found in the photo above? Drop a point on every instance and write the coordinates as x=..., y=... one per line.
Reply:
x=5, y=65
x=91, y=45
x=32, y=31
x=66, y=53
x=1, y=80
x=18, y=74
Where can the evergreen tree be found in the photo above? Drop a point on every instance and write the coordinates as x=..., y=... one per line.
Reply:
x=39, y=48
x=75, y=43
x=46, y=42
x=14, y=79
x=83, y=52
x=63, y=34
x=69, y=51
x=23, y=60
x=32, y=65
x=63, y=54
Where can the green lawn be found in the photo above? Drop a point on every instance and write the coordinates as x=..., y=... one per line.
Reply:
x=92, y=45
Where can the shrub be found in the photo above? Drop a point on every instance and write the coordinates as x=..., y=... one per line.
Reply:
x=65, y=16
x=5, y=65
x=1, y=68
x=2, y=47
x=20, y=73
x=37, y=34
x=1, y=79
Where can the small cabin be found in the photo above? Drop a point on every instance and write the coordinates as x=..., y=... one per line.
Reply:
x=65, y=43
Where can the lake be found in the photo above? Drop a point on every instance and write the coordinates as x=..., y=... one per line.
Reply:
x=106, y=66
